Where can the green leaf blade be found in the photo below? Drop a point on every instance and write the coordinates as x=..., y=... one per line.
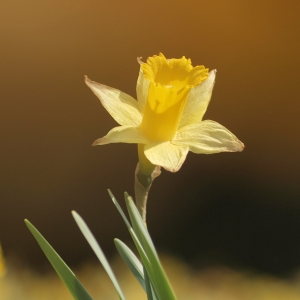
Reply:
x=151, y=294
x=98, y=251
x=139, y=227
x=64, y=272
x=131, y=261
x=153, y=266
x=119, y=208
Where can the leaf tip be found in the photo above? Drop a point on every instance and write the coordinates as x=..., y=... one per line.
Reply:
x=112, y=196
x=27, y=223
x=127, y=197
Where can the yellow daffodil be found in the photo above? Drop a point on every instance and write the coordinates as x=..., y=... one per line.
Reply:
x=166, y=119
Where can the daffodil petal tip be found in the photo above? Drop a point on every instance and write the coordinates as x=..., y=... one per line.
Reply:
x=139, y=60
x=122, y=107
x=101, y=141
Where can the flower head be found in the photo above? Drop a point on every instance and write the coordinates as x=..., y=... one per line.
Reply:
x=166, y=119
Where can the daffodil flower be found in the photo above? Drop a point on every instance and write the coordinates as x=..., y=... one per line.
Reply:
x=166, y=119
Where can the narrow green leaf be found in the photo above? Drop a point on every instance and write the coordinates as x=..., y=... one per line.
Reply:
x=139, y=226
x=146, y=262
x=131, y=231
x=146, y=249
x=154, y=268
x=119, y=208
x=64, y=272
x=98, y=251
x=131, y=261
x=151, y=294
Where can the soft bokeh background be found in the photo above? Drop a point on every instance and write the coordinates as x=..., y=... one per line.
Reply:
x=240, y=210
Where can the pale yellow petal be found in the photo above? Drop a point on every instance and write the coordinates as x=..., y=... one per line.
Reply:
x=123, y=134
x=166, y=155
x=198, y=101
x=208, y=137
x=122, y=107
x=142, y=87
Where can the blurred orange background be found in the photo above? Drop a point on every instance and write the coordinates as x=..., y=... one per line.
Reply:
x=236, y=209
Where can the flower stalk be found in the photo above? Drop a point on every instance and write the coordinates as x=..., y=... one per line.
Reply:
x=145, y=173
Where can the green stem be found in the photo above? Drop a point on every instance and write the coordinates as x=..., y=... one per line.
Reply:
x=145, y=173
